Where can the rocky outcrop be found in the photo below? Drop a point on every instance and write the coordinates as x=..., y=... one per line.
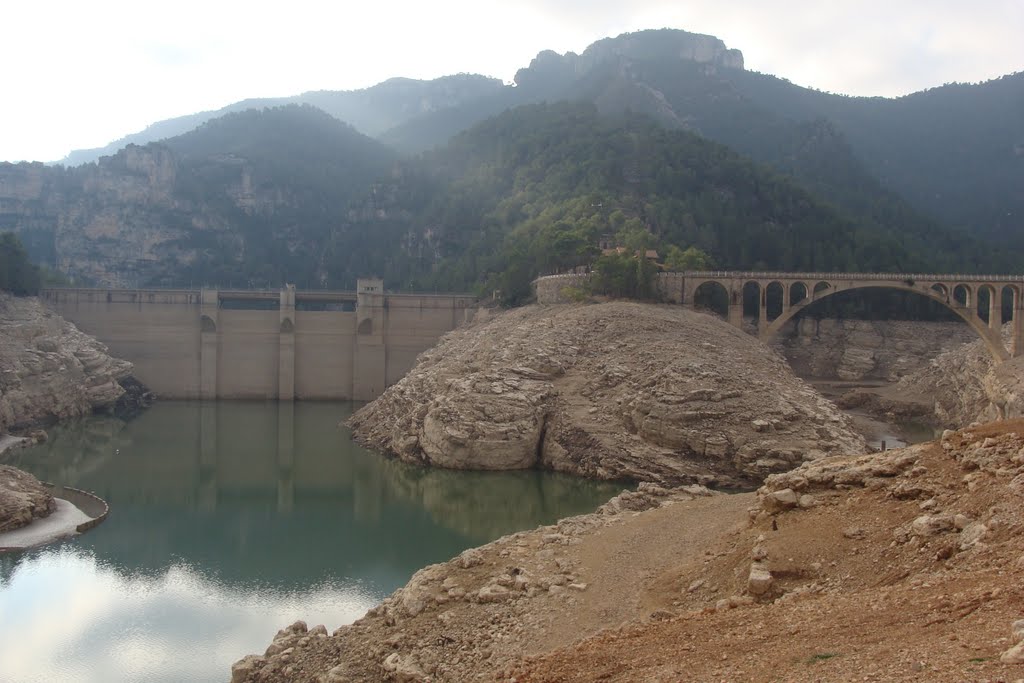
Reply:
x=22, y=499
x=616, y=390
x=667, y=45
x=866, y=349
x=964, y=385
x=113, y=223
x=49, y=369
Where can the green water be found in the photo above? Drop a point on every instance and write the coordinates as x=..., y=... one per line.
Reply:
x=228, y=521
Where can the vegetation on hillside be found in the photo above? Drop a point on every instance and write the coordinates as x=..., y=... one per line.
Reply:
x=535, y=189
x=17, y=274
x=950, y=156
x=284, y=180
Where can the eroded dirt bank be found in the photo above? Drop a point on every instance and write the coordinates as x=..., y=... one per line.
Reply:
x=898, y=566
x=614, y=390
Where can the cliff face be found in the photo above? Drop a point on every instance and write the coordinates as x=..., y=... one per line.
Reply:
x=964, y=385
x=49, y=369
x=867, y=349
x=667, y=45
x=106, y=223
x=608, y=391
x=257, y=197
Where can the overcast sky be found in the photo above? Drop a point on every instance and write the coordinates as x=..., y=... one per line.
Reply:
x=80, y=74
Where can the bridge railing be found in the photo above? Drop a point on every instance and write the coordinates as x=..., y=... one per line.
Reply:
x=883, y=277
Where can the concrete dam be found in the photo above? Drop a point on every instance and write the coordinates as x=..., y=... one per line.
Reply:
x=284, y=345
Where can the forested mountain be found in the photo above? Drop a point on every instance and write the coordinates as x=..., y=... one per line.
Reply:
x=264, y=197
x=956, y=151
x=952, y=155
x=655, y=139
x=534, y=190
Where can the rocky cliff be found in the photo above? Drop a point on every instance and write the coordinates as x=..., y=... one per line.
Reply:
x=965, y=385
x=867, y=349
x=668, y=45
x=244, y=199
x=616, y=390
x=106, y=223
x=49, y=369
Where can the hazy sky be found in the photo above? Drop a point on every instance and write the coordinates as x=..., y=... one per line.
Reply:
x=80, y=74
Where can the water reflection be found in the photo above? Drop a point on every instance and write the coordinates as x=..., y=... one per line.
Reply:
x=229, y=520
x=64, y=616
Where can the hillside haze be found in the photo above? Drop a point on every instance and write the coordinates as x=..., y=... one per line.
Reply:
x=372, y=110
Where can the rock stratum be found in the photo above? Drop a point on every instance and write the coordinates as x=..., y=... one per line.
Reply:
x=852, y=350
x=610, y=391
x=904, y=565
x=49, y=369
x=960, y=386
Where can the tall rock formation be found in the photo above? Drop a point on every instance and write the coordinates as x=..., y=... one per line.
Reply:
x=617, y=390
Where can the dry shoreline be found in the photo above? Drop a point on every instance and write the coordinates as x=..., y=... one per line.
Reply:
x=904, y=565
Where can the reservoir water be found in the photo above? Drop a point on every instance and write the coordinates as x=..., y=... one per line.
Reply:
x=230, y=520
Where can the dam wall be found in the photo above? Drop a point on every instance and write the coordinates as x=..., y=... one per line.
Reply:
x=284, y=344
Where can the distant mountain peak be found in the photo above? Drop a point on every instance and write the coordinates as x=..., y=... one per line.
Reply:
x=657, y=44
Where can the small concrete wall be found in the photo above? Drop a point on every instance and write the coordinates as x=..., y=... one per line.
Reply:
x=551, y=289
x=87, y=502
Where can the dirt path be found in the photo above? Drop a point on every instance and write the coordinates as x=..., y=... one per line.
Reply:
x=620, y=563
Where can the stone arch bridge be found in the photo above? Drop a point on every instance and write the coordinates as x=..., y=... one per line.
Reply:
x=977, y=299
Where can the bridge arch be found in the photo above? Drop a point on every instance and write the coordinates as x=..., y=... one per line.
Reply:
x=774, y=298
x=752, y=292
x=797, y=293
x=962, y=294
x=710, y=294
x=990, y=335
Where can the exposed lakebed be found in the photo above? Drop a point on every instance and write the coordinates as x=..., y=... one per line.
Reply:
x=228, y=521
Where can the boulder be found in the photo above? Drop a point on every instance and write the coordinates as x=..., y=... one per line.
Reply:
x=759, y=580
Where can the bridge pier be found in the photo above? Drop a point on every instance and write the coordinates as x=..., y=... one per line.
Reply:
x=762, y=310
x=995, y=310
x=1017, y=327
